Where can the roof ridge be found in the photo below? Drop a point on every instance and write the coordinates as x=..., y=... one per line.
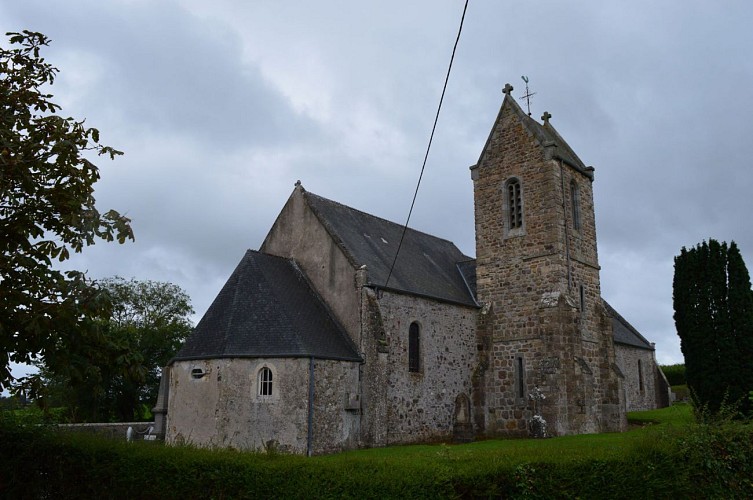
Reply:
x=548, y=126
x=539, y=131
x=229, y=320
x=273, y=290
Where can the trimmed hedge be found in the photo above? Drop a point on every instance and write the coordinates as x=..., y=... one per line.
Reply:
x=675, y=374
x=689, y=462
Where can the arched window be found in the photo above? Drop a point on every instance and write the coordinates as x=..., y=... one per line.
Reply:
x=640, y=376
x=520, y=378
x=575, y=202
x=414, y=340
x=514, y=204
x=265, y=382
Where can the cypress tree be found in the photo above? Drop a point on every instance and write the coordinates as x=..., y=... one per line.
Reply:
x=713, y=305
x=741, y=318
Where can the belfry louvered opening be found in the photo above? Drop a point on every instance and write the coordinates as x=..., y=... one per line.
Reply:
x=514, y=204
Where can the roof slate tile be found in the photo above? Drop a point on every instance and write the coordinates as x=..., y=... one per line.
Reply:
x=267, y=308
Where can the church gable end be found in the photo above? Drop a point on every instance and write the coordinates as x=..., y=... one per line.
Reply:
x=299, y=234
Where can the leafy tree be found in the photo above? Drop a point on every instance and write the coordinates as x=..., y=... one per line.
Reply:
x=713, y=305
x=47, y=210
x=148, y=323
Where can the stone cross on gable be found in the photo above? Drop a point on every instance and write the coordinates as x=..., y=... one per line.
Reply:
x=507, y=89
x=546, y=116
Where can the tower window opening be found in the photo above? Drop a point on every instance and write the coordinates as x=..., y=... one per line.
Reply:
x=575, y=202
x=515, y=204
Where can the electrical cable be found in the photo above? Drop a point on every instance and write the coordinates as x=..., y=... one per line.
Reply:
x=428, y=148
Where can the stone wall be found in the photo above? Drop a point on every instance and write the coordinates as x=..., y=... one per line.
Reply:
x=418, y=406
x=640, y=382
x=545, y=323
x=223, y=408
x=114, y=430
x=337, y=406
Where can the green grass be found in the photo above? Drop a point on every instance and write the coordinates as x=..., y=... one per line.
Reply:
x=515, y=451
x=678, y=414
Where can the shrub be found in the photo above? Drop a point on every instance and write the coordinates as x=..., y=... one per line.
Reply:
x=675, y=374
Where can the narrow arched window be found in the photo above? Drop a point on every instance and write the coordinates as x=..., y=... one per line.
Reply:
x=265, y=382
x=575, y=202
x=520, y=381
x=640, y=376
x=414, y=344
x=514, y=204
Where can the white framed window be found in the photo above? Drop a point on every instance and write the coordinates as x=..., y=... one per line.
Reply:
x=264, y=382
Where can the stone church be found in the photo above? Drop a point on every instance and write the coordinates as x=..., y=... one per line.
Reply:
x=313, y=346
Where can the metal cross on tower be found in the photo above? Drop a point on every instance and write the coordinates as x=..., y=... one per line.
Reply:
x=527, y=95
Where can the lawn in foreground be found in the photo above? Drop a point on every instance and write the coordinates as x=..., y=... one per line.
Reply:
x=644, y=427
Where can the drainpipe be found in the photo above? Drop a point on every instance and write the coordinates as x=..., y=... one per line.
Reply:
x=310, y=436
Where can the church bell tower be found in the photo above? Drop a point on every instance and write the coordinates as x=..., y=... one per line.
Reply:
x=543, y=323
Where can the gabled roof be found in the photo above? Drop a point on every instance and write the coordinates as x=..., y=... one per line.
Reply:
x=427, y=265
x=624, y=333
x=268, y=309
x=546, y=135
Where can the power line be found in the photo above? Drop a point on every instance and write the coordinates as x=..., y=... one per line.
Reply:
x=428, y=148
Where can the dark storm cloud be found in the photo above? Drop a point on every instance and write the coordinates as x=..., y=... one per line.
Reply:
x=167, y=72
x=221, y=106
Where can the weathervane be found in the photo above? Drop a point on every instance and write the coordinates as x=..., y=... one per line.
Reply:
x=527, y=95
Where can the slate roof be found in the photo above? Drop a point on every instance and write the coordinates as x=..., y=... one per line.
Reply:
x=624, y=333
x=268, y=309
x=427, y=265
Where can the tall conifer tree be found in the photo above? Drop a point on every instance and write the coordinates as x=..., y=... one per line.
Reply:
x=713, y=305
x=741, y=312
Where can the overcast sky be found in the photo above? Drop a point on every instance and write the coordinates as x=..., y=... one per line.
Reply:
x=221, y=106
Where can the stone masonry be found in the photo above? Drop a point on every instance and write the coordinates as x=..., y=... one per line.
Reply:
x=453, y=352
x=545, y=324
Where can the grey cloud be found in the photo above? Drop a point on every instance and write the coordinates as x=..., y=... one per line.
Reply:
x=655, y=96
